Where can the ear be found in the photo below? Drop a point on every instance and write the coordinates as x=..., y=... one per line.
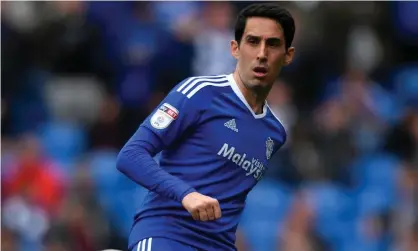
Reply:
x=235, y=49
x=289, y=56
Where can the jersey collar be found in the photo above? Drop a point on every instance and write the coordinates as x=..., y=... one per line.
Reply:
x=238, y=92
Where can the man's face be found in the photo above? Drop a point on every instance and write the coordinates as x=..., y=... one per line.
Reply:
x=261, y=53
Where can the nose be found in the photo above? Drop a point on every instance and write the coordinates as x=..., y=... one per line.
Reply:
x=262, y=52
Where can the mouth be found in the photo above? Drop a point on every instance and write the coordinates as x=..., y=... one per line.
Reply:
x=260, y=71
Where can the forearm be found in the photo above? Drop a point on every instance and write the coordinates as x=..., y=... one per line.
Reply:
x=135, y=160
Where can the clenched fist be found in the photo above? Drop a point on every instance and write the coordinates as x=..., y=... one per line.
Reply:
x=202, y=207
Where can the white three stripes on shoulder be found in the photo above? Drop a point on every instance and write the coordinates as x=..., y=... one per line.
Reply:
x=194, y=84
x=195, y=79
x=200, y=80
x=205, y=84
x=144, y=245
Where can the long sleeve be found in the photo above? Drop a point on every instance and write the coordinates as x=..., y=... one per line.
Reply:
x=175, y=115
x=135, y=160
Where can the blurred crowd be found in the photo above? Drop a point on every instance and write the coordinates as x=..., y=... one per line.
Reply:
x=79, y=77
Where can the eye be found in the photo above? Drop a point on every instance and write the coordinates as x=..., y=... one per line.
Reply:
x=252, y=40
x=274, y=43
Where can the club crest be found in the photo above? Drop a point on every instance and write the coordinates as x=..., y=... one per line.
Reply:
x=269, y=147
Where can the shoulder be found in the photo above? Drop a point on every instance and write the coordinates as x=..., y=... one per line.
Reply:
x=195, y=94
x=197, y=88
x=277, y=123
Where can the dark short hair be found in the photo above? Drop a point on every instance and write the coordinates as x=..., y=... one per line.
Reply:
x=267, y=10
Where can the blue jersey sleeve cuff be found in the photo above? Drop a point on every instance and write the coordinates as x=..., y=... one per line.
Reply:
x=183, y=194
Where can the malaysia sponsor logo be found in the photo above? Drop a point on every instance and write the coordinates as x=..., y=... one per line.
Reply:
x=251, y=166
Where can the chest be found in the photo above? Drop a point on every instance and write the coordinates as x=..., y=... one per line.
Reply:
x=244, y=145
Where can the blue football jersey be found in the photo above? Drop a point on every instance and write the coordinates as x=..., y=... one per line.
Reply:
x=215, y=143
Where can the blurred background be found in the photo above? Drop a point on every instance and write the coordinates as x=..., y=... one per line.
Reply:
x=77, y=78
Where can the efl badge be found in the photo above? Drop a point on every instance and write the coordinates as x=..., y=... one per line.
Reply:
x=269, y=147
x=164, y=116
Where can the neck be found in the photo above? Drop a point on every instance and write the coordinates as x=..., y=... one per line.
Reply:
x=255, y=97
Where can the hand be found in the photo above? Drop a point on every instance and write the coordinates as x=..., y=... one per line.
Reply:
x=202, y=207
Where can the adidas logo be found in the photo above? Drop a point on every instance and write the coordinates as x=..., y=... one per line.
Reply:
x=231, y=125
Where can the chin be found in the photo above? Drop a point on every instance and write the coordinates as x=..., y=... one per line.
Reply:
x=261, y=81
x=257, y=84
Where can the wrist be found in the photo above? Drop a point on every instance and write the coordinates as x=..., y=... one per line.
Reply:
x=185, y=193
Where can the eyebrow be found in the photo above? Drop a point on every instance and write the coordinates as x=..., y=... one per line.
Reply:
x=270, y=39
